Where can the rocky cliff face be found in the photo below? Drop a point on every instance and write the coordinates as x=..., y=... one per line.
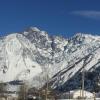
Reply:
x=33, y=54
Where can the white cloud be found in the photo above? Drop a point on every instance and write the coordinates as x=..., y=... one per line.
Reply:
x=88, y=14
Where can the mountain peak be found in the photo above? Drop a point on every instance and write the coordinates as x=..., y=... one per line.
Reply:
x=79, y=38
x=32, y=29
x=86, y=35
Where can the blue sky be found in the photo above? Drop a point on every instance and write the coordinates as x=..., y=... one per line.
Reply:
x=62, y=17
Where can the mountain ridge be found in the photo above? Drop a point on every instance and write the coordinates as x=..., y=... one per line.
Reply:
x=32, y=54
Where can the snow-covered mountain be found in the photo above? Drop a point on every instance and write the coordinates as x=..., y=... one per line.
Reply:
x=33, y=55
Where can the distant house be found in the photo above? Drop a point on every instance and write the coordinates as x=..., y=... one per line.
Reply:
x=6, y=96
x=76, y=94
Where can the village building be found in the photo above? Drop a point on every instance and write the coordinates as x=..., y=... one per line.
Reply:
x=76, y=94
x=7, y=97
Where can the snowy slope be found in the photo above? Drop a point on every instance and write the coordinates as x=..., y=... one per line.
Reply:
x=82, y=51
x=16, y=59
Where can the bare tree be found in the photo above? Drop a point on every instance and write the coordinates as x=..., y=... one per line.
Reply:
x=23, y=92
x=46, y=69
x=2, y=88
